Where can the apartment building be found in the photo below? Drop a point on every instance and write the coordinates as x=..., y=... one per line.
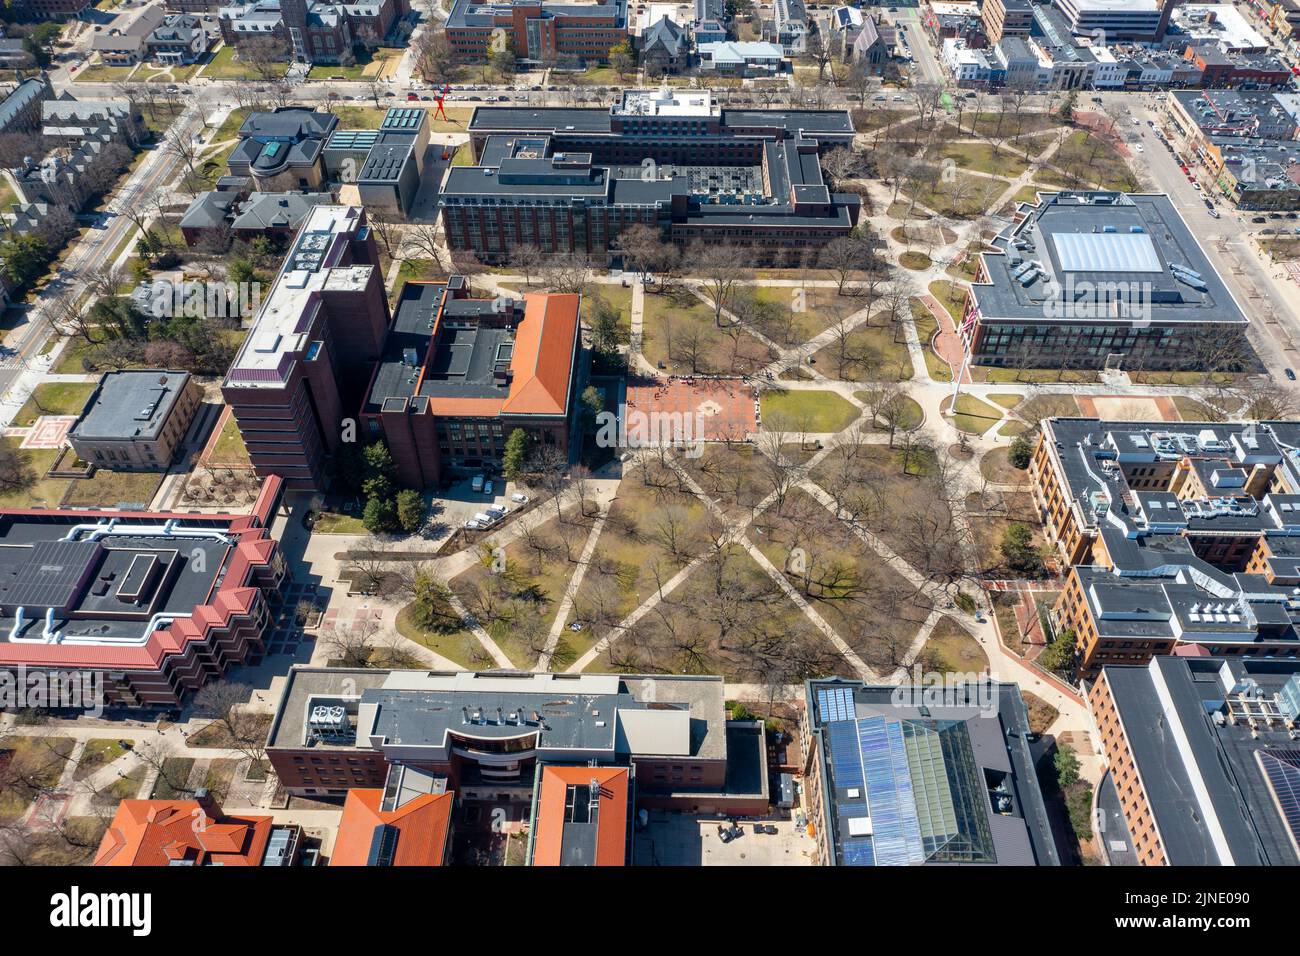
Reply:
x=905, y=776
x=1181, y=538
x=1202, y=764
x=149, y=606
x=1100, y=280
x=309, y=353
x=571, y=180
x=1007, y=18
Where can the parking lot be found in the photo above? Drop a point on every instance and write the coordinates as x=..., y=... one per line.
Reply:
x=680, y=839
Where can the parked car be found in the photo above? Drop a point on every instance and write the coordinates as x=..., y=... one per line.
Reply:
x=1290, y=374
x=519, y=498
x=487, y=487
x=1257, y=219
x=412, y=97
x=471, y=524
x=477, y=483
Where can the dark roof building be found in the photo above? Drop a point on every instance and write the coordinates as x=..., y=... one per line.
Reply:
x=144, y=607
x=908, y=775
x=503, y=728
x=1204, y=755
x=666, y=158
x=1098, y=279
x=459, y=374
x=288, y=140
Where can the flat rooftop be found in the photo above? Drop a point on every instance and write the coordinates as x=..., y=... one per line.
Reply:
x=1222, y=791
x=601, y=713
x=105, y=587
x=131, y=403
x=1104, y=257
x=281, y=327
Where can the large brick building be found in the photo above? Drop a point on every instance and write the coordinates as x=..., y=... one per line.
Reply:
x=459, y=374
x=538, y=31
x=488, y=733
x=571, y=180
x=313, y=31
x=151, y=605
x=1101, y=279
x=301, y=371
x=1202, y=767
x=1180, y=538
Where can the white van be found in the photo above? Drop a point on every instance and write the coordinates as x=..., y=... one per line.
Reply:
x=485, y=519
x=477, y=483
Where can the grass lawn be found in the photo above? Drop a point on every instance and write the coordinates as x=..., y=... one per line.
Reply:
x=807, y=411
x=1049, y=406
x=597, y=76
x=175, y=770
x=230, y=448
x=98, y=753
x=1090, y=157
x=367, y=65
x=653, y=530
x=54, y=398
x=459, y=645
x=868, y=353
x=951, y=295
x=124, y=788
x=1013, y=429
x=415, y=270
x=1017, y=376
x=680, y=333
x=226, y=66
x=688, y=634
x=1190, y=410
x=39, y=760
x=518, y=603
x=799, y=314
x=984, y=158
x=974, y=416
x=464, y=156
x=1041, y=714
x=962, y=196
x=331, y=522
x=1005, y=399
x=910, y=416
x=916, y=261
x=113, y=488
x=997, y=468
x=99, y=73
x=926, y=326
x=40, y=492
x=69, y=362
x=868, y=604
x=953, y=650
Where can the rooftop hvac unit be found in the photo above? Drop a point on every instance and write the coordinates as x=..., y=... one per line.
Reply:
x=329, y=721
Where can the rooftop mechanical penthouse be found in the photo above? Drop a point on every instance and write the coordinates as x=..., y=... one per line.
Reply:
x=1101, y=279
x=1183, y=538
x=571, y=180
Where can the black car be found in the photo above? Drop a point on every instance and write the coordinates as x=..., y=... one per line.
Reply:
x=1290, y=374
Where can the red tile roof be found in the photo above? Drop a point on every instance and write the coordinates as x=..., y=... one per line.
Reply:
x=543, y=356
x=611, y=820
x=422, y=824
x=156, y=832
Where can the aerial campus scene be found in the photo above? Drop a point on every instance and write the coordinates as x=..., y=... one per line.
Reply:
x=514, y=433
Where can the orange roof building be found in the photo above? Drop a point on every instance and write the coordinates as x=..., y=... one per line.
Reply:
x=459, y=374
x=414, y=831
x=181, y=833
x=581, y=816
